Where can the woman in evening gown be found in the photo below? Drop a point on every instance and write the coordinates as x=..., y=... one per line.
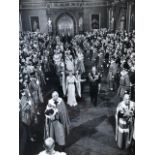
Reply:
x=70, y=89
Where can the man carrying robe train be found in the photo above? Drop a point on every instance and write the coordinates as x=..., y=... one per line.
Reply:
x=57, y=121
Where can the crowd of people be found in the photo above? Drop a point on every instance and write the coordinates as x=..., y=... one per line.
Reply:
x=41, y=56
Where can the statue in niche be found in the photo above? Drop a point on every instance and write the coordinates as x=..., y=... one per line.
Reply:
x=49, y=22
x=35, y=25
x=49, y=25
x=122, y=23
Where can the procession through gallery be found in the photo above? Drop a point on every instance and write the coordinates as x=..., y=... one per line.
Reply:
x=76, y=77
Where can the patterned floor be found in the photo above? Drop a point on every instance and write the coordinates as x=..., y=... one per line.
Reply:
x=92, y=128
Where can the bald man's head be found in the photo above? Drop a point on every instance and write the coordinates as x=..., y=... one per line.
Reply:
x=55, y=95
x=126, y=99
x=94, y=69
x=49, y=143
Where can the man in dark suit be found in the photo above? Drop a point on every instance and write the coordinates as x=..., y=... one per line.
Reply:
x=94, y=82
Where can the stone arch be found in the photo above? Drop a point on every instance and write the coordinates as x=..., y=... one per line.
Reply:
x=61, y=16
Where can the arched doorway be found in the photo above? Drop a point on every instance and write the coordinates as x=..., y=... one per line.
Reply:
x=65, y=25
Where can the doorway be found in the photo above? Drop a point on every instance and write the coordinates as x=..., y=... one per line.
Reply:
x=65, y=25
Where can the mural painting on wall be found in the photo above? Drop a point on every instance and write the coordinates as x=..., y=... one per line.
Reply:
x=35, y=23
x=95, y=21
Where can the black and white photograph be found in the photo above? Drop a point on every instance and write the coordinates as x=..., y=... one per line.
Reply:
x=77, y=77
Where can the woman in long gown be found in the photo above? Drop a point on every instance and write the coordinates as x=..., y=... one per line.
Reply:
x=57, y=59
x=69, y=61
x=70, y=89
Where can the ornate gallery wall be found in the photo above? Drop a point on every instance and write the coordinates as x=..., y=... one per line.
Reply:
x=85, y=14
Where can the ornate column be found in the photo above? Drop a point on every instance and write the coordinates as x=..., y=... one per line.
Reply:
x=80, y=21
x=20, y=19
x=108, y=20
x=111, y=18
x=108, y=14
x=132, y=17
x=20, y=22
x=128, y=16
